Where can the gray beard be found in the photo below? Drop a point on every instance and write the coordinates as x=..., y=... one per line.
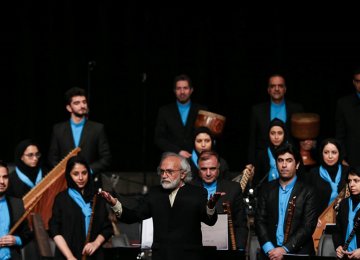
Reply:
x=172, y=185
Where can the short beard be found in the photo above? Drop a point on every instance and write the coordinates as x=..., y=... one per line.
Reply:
x=80, y=115
x=170, y=186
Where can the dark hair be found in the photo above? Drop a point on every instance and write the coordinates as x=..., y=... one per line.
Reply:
x=276, y=75
x=354, y=171
x=205, y=155
x=183, y=77
x=288, y=148
x=280, y=123
x=330, y=141
x=75, y=91
x=356, y=71
x=205, y=130
x=4, y=164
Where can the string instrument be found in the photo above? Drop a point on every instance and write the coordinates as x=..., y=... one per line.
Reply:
x=290, y=215
x=40, y=199
x=244, y=177
x=328, y=216
x=87, y=240
x=227, y=210
x=352, y=233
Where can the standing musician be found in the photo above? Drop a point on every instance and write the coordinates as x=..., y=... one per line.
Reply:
x=209, y=170
x=78, y=225
x=11, y=209
x=279, y=229
x=346, y=219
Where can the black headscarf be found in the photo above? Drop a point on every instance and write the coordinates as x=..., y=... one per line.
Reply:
x=332, y=170
x=280, y=123
x=205, y=130
x=355, y=198
x=89, y=189
x=30, y=172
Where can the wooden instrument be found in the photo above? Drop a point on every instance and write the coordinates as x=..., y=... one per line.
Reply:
x=328, y=216
x=227, y=210
x=352, y=233
x=290, y=215
x=244, y=177
x=40, y=199
x=305, y=126
x=214, y=122
x=88, y=235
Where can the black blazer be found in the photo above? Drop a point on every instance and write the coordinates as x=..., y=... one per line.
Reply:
x=16, y=209
x=170, y=133
x=322, y=187
x=177, y=229
x=339, y=234
x=303, y=222
x=259, y=126
x=234, y=197
x=348, y=127
x=93, y=143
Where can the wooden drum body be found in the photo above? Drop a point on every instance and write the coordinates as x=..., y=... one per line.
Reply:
x=214, y=122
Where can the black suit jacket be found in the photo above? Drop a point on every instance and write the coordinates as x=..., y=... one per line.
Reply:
x=260, y=122
x=234, y=197
x=303, y=222
x=170, y=133
x=16, y=209
x=348, y=127
x=177, y=229
x=93, y=143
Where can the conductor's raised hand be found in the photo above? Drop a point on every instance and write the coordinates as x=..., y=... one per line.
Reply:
x=214, y=199
x=107, y=196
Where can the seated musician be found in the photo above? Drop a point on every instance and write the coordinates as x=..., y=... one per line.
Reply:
x=11, y=210
x=286, y=213
x=209, y=171
x=79, y=224
x=347, y=234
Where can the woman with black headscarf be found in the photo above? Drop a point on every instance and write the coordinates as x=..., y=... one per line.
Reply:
x=28, y=171
x=72, y=214
x=265, y=165
x=329, y=178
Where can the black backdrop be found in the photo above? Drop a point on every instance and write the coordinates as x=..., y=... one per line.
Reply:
x=228, y=50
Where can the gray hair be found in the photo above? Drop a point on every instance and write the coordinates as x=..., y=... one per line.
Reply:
x=184, y=164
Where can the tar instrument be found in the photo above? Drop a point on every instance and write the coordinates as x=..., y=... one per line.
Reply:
x=305, y=126
x=88, y=235
x=329, y=216
x=40, y=199
x=290, y=215
x=214, y=122
x=352, y=233
x=227, y=210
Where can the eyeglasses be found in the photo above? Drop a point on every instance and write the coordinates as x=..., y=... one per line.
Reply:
x=31, y=155
x=211, y=169
x=167, y=171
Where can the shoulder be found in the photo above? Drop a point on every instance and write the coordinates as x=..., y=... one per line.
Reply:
x=294, y=105
x=167, y=107
x=14, y=201
x=347, y=100
x=94, y=124
x=61, y=125
x=197, y=106
x=260, y=106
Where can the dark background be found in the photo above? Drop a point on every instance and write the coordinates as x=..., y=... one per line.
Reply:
x=228, y=50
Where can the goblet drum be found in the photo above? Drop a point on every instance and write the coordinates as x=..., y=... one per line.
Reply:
x=305, y=126
x=214, y=122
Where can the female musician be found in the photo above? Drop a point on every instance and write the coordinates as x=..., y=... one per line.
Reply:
x=28, y=171
x=265, y=165
x=347, y=220
x=205, y=141
x=329, y=178
x=72, y=215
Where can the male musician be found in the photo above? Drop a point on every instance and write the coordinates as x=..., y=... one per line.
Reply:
x=280, y=227
x=346, y=219
x=348, y=123
x=177, y=209
x=11, y=210
x=80, y=132
x=263, y=113
x=209, y=172
x=175, y=122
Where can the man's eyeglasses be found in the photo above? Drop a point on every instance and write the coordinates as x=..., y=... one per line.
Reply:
x=211, y=169
x=167, y=171
x=32, y=155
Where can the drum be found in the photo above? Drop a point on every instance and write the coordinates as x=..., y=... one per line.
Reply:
x=305, y=126
x=214, y=122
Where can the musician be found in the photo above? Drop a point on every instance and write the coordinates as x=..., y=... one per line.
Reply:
x=345, y=219
x=175, y=122
x=11, y=210
x=209, y=171
x=262, y=114
x=279, y=230
x=28, y=170
x=177, y=209
x=329, y=178
x=80, y=132
x=75, y=218
x=204, y=141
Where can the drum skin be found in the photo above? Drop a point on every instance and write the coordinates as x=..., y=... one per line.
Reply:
x=305, y=126
x=214, y=122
